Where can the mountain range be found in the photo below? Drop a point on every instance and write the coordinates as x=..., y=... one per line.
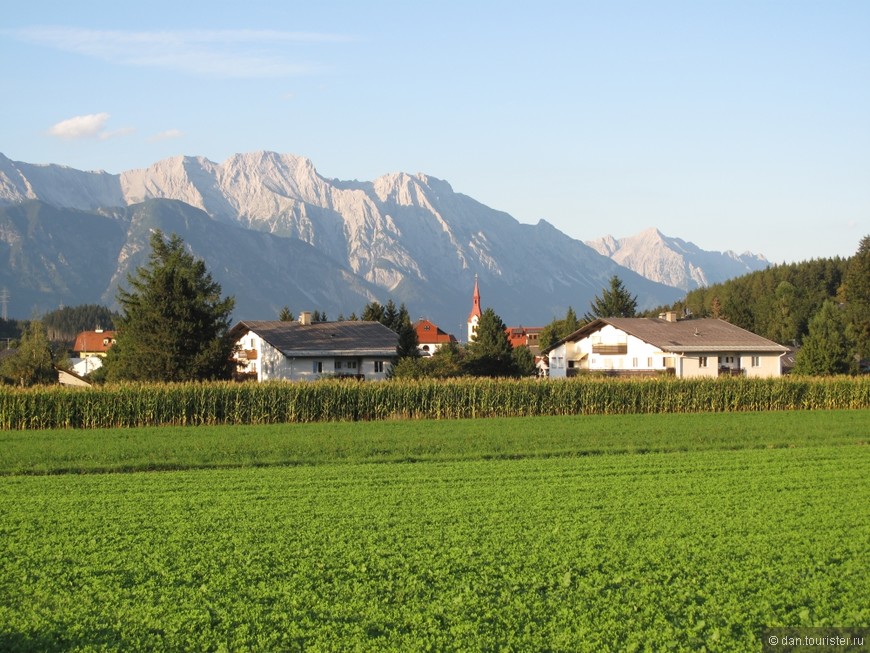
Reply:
x=674, y=262
x=273, y=232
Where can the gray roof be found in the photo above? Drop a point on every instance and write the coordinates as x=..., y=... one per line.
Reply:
x=350, y=338
x=697, y=335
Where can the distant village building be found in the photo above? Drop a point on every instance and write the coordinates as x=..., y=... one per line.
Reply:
x=93, y=343
x=89, y=349
x=525, y=337
x=647, y=346
x=431, y=338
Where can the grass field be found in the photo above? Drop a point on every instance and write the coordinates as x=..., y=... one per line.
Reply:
x=176, y=448
x=613, y=533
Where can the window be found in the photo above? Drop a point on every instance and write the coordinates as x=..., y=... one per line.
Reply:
x=649, y=362
x=379, y=367
x=317, y=367
x=338, y=365
x=351, y=365
x=756, y=361
x=702, y=361
x=634, y=362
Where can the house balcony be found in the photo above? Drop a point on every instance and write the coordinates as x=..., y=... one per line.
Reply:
x=614, y=349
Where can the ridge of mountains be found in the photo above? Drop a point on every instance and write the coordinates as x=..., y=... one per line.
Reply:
x=674, y=262
x=274, y=232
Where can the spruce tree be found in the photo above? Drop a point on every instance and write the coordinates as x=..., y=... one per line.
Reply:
x=524, y=361
x=615, y=301
x=825, y=350
x=373, y=312
x=175, y=324
x=391, y=318
x=490, y=352
x=856, y=293
x=408, y=342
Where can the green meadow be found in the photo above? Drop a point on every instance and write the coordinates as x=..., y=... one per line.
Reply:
x=587, y=533
x=174, y=447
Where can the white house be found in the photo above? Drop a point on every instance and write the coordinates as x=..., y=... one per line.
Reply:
x=307, y=351
x=646, y=346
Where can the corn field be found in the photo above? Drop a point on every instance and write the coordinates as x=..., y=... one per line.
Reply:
x=134, y=405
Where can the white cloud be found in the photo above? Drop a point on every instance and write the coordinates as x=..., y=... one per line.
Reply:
x=167, y=135
x=217, y=53
x=88, y=126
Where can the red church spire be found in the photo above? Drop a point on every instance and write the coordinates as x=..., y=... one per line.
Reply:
x=475, y=302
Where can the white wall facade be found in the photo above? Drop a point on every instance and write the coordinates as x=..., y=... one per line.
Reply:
x=761, y=365
x=633, y=355
x=585, y=354
x=429, y=348
x=270, y=364
x=84, y=366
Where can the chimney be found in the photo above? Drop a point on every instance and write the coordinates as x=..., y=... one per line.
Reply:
x=671, y=316
x=305, y=317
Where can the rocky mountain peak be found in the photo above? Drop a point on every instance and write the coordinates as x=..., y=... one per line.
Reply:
x=675, y=262
x=409, y=235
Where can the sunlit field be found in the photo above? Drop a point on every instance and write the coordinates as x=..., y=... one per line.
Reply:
x=656, y=532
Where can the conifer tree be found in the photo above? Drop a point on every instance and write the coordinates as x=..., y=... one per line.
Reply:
x=391, y=318
x=490, y=352
x=615, y=301
x=825, y=350
x=373, y=312
x=175, y=324
x=408, y=343
x=856, y=293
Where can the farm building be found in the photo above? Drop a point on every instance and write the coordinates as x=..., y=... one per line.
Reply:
x=307, y=351
x=646, y=346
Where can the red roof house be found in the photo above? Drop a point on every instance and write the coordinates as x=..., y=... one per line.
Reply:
x=93, y=343
x=430, y=337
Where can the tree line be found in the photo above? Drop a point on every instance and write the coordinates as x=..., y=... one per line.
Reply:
x=174, y=323
x=821, y=306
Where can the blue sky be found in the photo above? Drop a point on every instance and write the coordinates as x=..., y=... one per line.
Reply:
x=735, y=125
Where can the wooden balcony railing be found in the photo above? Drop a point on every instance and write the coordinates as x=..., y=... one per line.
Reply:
x=611, y=349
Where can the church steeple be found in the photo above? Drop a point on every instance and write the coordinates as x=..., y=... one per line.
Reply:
x=474, y=316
